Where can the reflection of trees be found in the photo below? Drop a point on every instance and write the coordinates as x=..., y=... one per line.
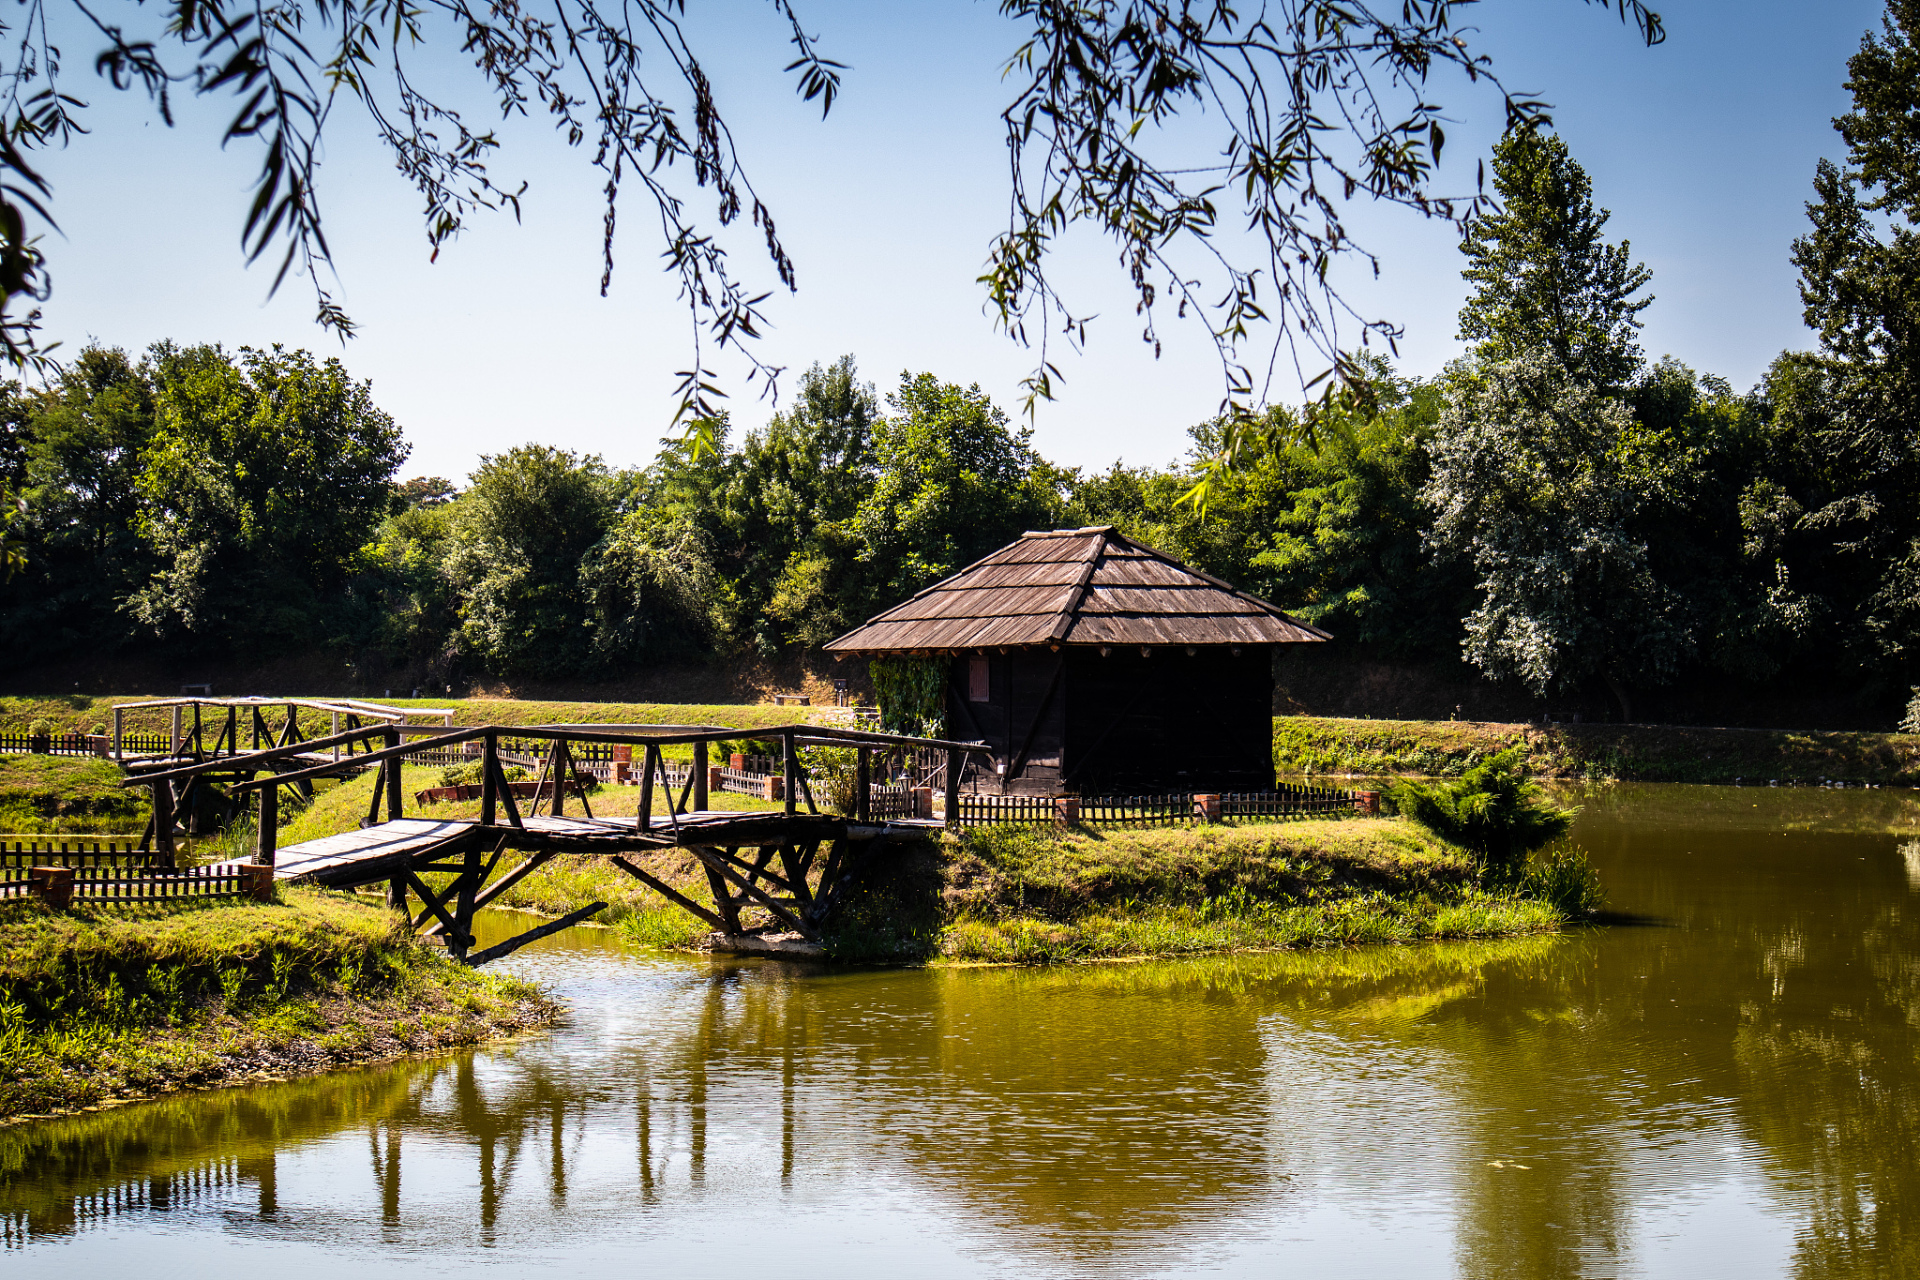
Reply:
x=1828, y=1047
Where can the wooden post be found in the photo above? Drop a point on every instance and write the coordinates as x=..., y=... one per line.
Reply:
x=199, y=743
x=119, y=732
x=173, y=741
x=256, y=882
x=701, y=779
x=645, y=817
x=52, y=885
x=394, y=803
x=790, y=769
x=267, y=830
x=163, y=823
x=233, y=731
x=489, y=766
x=336, y=733
x=955, y=762
x=863, y=784
x=397, y=896
x=460, y=939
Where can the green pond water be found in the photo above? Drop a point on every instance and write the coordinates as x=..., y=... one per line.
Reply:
x=1724, y=1083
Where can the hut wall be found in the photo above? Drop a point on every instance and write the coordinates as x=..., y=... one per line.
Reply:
x=1025, y=706
x=1168, y=722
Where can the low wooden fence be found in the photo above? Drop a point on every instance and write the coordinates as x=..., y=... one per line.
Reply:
x=61, y=887
x=1170, y=810
x=80, y=744
x=74, y=853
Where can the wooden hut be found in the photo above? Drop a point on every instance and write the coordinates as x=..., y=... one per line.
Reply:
x=1092, y=665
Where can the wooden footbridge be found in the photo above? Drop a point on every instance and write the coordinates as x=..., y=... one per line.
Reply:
x=770, y=859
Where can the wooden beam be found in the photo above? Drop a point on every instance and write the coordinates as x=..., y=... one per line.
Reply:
x=267, y=830
x=672, y=895
x=395, y=804
x=790, y=768
x=419, y=887
x=700, y=798
x=518, y=941
x=761, y=898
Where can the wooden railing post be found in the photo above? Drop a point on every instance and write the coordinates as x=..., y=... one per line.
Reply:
x=199, y=743
x=700, y=777
x=489, y=769
x=163, y=822
x=119, y=732
x=863, y=785
x=173, y=740
x=645, y=816
x=394, y=805
x=267, y=829
x=233, y=731
x=955, y=762
x=790, y=768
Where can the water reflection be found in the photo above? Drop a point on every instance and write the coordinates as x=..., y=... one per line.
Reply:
x=1727, y=1087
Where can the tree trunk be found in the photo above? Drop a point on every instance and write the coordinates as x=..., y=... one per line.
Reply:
x=1619, y=692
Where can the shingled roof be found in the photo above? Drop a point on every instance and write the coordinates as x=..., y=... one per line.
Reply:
x=1075, y=587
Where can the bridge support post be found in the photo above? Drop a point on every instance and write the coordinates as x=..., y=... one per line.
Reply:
x=700, y=778
x=790, y=768
x=163, y=823
x=393, y=778
x=956, y=761
x=863, y=785
x=267, y=830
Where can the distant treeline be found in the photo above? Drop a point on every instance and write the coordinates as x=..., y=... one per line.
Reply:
x=1553, y=507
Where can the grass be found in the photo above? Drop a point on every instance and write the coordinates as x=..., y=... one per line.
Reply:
x=61, y=794
x=1009, y=895
x=105, y=1004
x=1628, y=753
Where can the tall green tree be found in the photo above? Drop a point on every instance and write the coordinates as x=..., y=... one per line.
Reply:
x=1542, y=479
x=1542, y=272
x=1851, y=407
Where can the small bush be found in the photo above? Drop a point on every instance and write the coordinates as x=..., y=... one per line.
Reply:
x=1566, y=881
x=471, y=775
x=1494, y=811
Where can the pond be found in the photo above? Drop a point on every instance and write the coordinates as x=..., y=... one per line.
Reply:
x=1724, y=1082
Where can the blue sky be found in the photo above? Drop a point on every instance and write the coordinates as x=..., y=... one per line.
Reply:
x=1703, y=148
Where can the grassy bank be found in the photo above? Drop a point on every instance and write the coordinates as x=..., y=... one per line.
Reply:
x=1631, y=753
x=105, y=1004
x=57, y=794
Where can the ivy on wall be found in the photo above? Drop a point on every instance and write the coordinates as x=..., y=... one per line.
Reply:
x=912, y=694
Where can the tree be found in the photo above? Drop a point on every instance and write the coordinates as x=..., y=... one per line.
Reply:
x=788, y=507
x=262, y=481
x=1329, y=102
x=1540, y=482
x=85, y=447
x=1543, y=274
x=1851, y=405
x=525, y=526
x=953, y=483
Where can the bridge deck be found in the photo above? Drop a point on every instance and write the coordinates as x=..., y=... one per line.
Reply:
x=381, y=851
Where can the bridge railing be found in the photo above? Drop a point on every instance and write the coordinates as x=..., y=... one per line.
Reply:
x=384, y=746
x=230, y=720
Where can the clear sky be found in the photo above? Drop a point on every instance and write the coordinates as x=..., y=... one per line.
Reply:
x=1703, y=148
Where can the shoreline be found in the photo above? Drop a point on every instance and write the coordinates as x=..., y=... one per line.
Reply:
x=101, y=1007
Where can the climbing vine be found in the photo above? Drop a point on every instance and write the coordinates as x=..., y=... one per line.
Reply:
x=912, y=694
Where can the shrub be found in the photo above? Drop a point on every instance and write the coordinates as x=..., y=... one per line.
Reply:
x=471, y=775
x=836, y=772
x=41, y=729
x=1494, y=811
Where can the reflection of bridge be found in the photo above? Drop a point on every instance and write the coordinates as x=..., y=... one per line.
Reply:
x=770, y=860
